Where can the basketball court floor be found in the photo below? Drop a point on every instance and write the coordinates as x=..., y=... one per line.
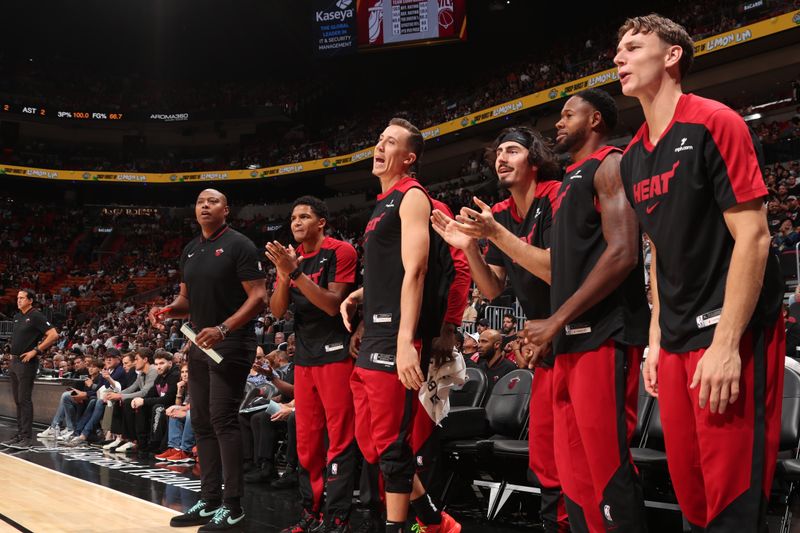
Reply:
x=53, y=488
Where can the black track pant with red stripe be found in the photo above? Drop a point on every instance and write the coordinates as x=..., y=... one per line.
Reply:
x=426, y=447
x=324, y=403
x=722, y=465
x=385, y=412
x=595, y=396
x=541, y=452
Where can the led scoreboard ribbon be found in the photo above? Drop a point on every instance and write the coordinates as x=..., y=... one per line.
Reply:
x=734, y=37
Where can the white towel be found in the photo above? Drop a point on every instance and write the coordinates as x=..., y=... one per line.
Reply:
x=435, y=394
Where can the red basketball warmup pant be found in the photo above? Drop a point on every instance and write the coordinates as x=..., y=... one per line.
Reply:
x=385, y=412
x=324, y=403
x=541, y=452
x=722, y=465
x=596, y=395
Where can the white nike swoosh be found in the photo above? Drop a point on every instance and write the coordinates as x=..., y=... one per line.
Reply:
x=205, y=514
x=190, y=255
x=232, y=521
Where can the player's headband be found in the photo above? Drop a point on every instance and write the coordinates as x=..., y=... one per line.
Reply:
x=515, y=136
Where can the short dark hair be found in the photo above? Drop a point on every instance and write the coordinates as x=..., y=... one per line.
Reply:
x=511, y=316
x=667, y=30
x=29, y=293
x=540, y=154
x=161, y=353
x=602, y=102
x=317, y=206
x=416, y=142
x=145, y=353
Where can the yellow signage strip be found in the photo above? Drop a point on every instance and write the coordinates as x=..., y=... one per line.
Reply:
x=722, y=41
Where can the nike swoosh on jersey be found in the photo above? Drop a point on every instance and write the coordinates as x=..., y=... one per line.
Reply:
x=191, y=254
x=649, y=209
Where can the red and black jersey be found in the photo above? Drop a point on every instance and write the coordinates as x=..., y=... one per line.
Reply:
x=704, y=164
x=534, y=229
x=459, y=289
x=577, y=245
x=322, y=338
x=383, y=280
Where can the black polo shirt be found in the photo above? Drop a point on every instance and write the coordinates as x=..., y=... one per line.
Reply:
x=213, y=270
x=494, y=373
x=29, y=328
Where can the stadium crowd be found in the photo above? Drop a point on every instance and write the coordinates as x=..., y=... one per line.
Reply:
x=332, y=131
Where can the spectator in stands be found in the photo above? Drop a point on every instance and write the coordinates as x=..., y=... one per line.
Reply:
x=148, y=411
x=792, y=210
x=775, y=215
x=258, y=432
x=121, y=425
x=509, y=325
x=260, y=330
x=74, y=401
x=482, y=325
x=89, y=422
x=470, y=348
x=786, y=238
x=492, y=358
x=181, y=437
x=79, y=369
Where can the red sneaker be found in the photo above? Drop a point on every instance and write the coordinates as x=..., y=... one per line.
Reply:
x=181, y=457
x=448, y=525
x=166, y=454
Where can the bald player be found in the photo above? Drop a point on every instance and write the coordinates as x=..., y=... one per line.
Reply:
x=222, y=290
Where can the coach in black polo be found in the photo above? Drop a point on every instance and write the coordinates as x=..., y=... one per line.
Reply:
x=222, y=290
x=32, y=334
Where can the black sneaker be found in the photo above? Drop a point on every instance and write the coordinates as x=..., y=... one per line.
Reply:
x=224, y=520
x=12, y=440
x=264, y=474
x=374, y=522
x=21, y=444
x=308, y=523
x=287, y=481
x=197, y=515
x=337, y=525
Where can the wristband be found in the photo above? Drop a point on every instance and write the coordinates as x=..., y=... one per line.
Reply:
x=295, y=274
x=223, y=329
x=37, y=350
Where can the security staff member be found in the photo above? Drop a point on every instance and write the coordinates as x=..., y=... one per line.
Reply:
x=222, y=290
x=27, y=345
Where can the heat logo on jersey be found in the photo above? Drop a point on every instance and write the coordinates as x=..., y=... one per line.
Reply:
x=371, y=225
x=654, y=187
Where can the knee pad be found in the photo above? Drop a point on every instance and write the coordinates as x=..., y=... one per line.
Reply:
x=397, y=466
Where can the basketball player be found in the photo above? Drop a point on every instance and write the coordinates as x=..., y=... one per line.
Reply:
x=394, y=315
x=222, y=290
x=598, y=324
x=518, y=230
x=316, y=278
x=716, y=335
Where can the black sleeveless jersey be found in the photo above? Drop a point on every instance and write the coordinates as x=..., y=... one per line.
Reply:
x=703, y=164
x=534, y=229
x=322, y=338
x=383, y=281
x=577, y=244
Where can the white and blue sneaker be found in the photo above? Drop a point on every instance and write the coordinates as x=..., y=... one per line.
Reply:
x=197, y=515
x=224, y=520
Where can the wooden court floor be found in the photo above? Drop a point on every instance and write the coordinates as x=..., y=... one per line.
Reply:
x=42, y=500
